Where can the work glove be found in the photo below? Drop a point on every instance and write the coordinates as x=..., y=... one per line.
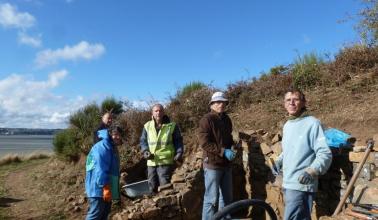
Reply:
x=178, y=157
x=229, y=154
x=107, y=193
x=307, y=176
x=147, y=155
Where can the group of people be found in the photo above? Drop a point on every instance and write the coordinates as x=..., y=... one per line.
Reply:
x=305, y=155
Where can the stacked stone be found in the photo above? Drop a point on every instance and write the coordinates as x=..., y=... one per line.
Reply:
x=366, y=186
x=179, y=200
x=252, y=179
x=257, y=147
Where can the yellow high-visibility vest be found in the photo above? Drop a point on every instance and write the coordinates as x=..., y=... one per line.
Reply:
x=160, y=144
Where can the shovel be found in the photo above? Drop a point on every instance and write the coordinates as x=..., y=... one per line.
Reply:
x=370, y=145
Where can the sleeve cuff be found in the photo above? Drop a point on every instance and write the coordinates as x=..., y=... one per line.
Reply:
x=312, y=171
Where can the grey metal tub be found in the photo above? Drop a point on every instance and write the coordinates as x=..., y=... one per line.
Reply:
x=136, y=189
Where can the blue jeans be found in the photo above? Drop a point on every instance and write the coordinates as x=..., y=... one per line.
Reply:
x=218, y=191
x=298, y=204
x=98, y=209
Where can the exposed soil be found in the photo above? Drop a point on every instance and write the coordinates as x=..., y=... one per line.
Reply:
x=39, y=191
x=355, y=113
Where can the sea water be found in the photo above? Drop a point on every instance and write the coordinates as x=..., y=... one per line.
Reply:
x=25, y=144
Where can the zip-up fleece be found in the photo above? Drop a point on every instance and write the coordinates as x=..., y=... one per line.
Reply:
x=214, y=137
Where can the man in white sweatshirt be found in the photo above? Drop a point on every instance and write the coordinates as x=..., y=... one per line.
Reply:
x=305, y=155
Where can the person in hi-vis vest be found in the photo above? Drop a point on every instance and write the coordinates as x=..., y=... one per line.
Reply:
x=161, y=144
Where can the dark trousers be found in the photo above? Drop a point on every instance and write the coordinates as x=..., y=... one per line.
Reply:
x=158, y=176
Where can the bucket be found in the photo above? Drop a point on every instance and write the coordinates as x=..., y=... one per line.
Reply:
x=137, y=189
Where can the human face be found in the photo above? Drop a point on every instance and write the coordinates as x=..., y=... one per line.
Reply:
x=158, y=113
x=218, y=106
x=116, y=137
x=107, y=119
x=293, y=104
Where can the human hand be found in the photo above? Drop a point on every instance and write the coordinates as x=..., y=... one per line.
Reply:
x=147, y=155
x=178, y=157
x=107, y=193
x=305, y=178
x=229, y=154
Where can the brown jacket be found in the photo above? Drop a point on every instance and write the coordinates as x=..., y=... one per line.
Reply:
x=214, y=136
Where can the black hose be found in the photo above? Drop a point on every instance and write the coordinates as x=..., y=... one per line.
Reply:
x=236, y=206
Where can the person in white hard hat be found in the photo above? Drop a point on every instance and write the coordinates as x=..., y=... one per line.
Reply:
x=216, y=141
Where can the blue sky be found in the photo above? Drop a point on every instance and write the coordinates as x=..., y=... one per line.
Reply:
x=56, y=56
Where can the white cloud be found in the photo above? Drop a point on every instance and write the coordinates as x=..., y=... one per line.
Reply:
x=24, y=38
x=80, y=51
x=10, y=17
x=25, y=102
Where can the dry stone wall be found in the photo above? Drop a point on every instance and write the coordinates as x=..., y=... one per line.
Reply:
x=252, y=178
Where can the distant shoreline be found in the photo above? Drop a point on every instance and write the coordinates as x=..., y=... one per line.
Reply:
x=25, y=144
x=28, y=131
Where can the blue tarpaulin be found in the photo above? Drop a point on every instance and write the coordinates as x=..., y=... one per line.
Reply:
x=337, y=138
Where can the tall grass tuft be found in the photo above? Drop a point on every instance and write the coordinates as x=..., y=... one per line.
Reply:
x=306, y=70
x=189, y=89
x=37, y=156
x=15, y=158
x=10, y=158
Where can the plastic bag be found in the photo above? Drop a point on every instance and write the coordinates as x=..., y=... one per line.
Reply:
x=337, y=138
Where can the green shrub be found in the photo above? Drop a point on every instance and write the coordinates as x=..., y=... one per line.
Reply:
x=110, y=104
x=84, y=122
x=65, y=144
x=306, y=71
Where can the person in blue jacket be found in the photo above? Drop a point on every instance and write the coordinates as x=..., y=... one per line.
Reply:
x=305, y=155
x=102, y=173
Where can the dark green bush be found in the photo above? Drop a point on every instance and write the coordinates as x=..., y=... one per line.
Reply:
x=65, y=144
x=85, y=121
x=78, y=138
x=110, y=104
